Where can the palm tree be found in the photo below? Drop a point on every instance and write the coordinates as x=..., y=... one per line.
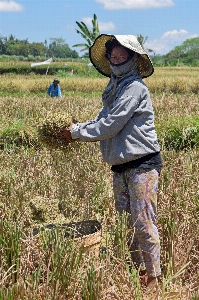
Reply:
x=142, y=40
x=87, y=34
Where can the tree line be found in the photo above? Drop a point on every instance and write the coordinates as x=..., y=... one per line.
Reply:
x=56, y=48
x=187, y=54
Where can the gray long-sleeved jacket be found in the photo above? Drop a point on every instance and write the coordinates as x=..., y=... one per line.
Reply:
x=124, y=127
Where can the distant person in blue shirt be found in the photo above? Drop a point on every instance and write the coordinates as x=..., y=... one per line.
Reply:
x=54, y=89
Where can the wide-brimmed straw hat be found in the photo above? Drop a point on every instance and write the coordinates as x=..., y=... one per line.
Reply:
x=97, y=54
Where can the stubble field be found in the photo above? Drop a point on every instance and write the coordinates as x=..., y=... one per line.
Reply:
x=41, y=185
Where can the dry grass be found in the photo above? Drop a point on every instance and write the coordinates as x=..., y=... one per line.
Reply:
x=36, y=84
x=164, y=80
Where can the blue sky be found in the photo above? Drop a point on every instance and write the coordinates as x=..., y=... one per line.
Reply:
x=167, y=23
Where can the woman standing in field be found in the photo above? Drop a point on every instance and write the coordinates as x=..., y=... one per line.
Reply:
x=128, y=142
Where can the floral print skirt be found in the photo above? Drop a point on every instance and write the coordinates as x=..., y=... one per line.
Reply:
x=135, y=193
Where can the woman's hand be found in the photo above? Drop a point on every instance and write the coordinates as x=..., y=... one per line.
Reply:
x=65, y=134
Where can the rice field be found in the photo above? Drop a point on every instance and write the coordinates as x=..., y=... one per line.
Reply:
x=41, y=185
x=164, y=80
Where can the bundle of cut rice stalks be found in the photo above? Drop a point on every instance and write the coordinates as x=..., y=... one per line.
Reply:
x=51, y=126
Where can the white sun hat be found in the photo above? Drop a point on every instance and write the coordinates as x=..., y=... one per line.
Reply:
x=97, y=54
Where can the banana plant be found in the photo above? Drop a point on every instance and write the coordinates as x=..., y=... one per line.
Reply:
x=88, y=35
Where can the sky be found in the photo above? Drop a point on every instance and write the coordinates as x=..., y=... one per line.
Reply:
x=166, y=23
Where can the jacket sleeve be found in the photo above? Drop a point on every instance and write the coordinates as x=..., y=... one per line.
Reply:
x=111, y=123
x=49, y=90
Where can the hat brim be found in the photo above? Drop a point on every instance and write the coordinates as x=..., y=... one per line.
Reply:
x=97, y=54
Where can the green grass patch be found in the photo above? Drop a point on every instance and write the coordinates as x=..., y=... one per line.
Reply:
x=179, y=133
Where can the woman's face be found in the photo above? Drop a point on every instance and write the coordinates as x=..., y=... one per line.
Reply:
x=118, y=55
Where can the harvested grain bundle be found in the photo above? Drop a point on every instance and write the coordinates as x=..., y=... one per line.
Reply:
x=52, y=125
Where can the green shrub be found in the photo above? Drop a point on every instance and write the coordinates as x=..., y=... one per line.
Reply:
x=179, y=134
x=18, y=134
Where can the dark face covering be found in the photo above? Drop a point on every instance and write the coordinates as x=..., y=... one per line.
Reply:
x=123, y=68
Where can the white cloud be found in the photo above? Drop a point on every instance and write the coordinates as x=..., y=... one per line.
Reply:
x=135, y=4
x=168, y=41
x=106, y=26
x=8, y=6
x=174, y=34
x=102, y=25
